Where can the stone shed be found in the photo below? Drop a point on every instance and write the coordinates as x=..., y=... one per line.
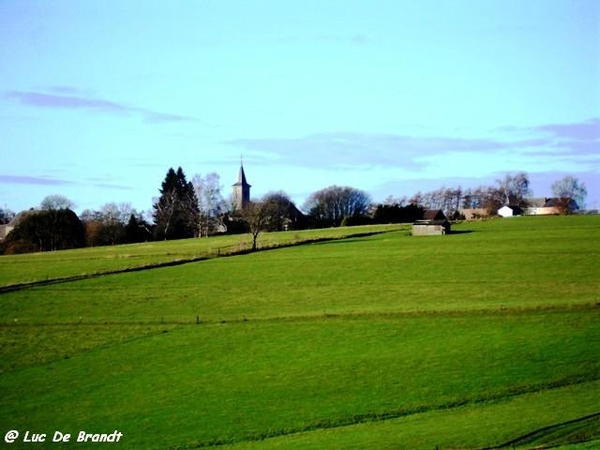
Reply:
x=433, y=223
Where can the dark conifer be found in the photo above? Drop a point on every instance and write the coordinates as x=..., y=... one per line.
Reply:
x=176, y=213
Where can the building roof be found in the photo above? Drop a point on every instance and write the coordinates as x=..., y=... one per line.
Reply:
x=16, y=221
x=551, y=202
x=514, y=208
x=242, y=178
x=434, y=214
x=555, y=201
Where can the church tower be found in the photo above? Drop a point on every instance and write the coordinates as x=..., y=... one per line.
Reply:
x=241, y=191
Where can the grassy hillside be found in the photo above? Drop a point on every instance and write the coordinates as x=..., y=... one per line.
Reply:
x=16, y=269
x=469, y=340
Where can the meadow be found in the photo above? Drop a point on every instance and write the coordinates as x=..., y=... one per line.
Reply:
x=69, y=264
x=485, y=338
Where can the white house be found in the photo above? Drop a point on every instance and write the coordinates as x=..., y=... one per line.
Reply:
x=510, y=211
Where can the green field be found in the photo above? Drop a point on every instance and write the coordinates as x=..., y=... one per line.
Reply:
x=30, y=268
x=485, y=337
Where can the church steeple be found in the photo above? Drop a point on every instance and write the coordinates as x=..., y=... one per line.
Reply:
x=241, y=190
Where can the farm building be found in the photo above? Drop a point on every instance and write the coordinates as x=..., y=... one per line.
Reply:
x=434, y=223
x=551, y=206
x=510, y=211
x=475, y=213
x=15, y=222
x=4, y=230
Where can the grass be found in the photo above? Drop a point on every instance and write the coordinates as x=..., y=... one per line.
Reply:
x=475, y=426
x=388, y=273
x=17, y=269
x=229, y=382
x=383, y=341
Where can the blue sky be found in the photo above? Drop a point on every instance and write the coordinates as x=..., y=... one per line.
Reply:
x=99, y=98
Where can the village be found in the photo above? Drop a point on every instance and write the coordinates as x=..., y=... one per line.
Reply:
x=202, y=211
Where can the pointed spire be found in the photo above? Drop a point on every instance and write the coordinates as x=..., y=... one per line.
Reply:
x=242, y=178
x=241, y=189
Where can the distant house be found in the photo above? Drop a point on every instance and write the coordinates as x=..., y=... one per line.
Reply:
x=475, y=213
x=5, y=229
x=551, y=206
x=433, y=223
x=510, y=211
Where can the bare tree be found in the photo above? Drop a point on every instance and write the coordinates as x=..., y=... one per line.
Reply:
x=330, y=206
x=210, y=202
x=570, y=192
x=282, y=212
x=256, y=216
x=514, y=189
x=6, y=215
x=55, y=205
x=56, y=202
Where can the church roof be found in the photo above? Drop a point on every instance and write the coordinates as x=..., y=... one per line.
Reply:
x=242, y=178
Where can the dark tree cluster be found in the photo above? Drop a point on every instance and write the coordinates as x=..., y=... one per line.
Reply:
x=396, y=213
x=176, y=211
x=45, y=230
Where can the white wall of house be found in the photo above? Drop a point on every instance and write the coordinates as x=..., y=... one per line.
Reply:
x=505, y=211
x=542, y=211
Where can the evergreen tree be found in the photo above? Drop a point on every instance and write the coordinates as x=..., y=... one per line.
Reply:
x=176, y=212
x=137, y=230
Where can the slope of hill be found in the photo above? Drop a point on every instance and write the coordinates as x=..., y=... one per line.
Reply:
x=384, y=341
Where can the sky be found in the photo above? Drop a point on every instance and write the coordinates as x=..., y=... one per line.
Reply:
x=98, y=99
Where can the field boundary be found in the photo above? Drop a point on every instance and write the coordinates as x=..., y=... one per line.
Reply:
x=357, y=419
x=195, y=321
x=541, y=432
x=217, y=253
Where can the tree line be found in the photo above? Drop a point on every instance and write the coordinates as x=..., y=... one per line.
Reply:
x=196, y=208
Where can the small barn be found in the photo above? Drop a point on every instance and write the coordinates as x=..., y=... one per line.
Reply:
x=433, y=223
x=510, y=211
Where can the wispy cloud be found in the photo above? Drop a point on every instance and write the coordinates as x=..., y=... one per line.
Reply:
x=354, y=150
x=24, y=179
x=118, y=187
x=70, y=98
x=588, y=130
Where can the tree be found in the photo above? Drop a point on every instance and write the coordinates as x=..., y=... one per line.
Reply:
x=282, y=212
x=446, y=199
x=137, y=230
x=6, y=215
x=107, y=226
x=330, y=206
x=256, y=216
x=514, y=189
x=56, y=202
x=176, y=211
x=211, y=204
x=45, y=231
x=567, y=190
x=397, y=213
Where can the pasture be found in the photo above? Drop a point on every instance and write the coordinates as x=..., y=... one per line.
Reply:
x=483, y=338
